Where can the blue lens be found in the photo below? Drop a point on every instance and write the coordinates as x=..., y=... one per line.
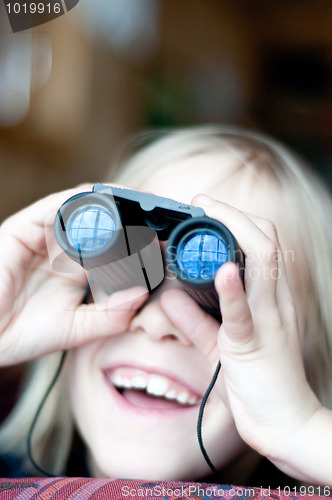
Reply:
x=201, y=254
x=90, y=229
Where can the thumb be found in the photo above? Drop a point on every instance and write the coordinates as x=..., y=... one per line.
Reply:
x=93, y=321
x=236, y=315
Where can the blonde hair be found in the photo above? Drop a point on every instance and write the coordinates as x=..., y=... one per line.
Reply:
x=52, y=436
x=305, y=208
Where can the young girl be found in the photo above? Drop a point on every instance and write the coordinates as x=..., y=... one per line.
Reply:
x=138, y=366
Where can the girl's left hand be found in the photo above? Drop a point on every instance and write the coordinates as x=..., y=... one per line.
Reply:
x=258, y=343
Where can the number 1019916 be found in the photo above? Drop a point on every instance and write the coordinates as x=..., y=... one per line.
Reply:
x=34, y=8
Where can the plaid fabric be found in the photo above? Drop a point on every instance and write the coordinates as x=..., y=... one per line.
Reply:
x=79, y=488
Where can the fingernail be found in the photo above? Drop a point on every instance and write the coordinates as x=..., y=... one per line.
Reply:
x=230, y=273
x=233, y=276
x=203, y=199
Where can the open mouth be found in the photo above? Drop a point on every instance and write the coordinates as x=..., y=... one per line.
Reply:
x=151, y=391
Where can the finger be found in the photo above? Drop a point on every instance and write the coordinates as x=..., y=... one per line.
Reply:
x=37, y=211
x=261, y=253
x=26, y=229
x=23, y=242
x=188, y=317
x=278, y=273
x=110, y=318
x=268, y=228
x=237, y=321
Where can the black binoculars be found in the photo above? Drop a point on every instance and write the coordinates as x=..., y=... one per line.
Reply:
x=115, y=235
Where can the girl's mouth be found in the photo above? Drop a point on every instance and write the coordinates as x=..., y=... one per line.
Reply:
x=150, y=390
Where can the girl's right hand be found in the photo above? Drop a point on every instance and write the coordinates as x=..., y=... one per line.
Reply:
x=41, y=310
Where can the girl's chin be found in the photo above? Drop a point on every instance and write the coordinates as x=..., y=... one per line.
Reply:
x=143, y=470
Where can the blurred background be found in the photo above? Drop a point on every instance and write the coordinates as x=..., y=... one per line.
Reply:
x=74, y=90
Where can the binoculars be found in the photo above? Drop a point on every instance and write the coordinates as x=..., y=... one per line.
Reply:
x=116, y=235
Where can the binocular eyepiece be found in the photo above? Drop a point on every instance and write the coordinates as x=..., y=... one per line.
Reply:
x=115, y=235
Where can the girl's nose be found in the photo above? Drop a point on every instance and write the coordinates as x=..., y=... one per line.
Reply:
x=153, y=321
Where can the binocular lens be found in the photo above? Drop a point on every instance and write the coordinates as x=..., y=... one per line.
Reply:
x=90, y=228
x=201, y=253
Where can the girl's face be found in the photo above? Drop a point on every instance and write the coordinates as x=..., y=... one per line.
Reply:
x=133, y=434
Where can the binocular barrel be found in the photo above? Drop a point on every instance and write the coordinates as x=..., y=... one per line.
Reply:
x=195, y=251
x=90, y=228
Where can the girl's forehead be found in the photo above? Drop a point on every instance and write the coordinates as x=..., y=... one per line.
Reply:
x=221, y=175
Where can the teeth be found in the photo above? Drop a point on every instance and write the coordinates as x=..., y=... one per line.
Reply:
x=126, y=383
x=117, y=380
x=155, y=385
x=171, y=394
x=183, y=398
x=139, y=382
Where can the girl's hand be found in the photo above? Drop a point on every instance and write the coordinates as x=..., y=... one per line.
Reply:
x=41, y=309
x=258, y=343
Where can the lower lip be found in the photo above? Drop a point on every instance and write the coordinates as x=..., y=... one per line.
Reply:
x=156, y=408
